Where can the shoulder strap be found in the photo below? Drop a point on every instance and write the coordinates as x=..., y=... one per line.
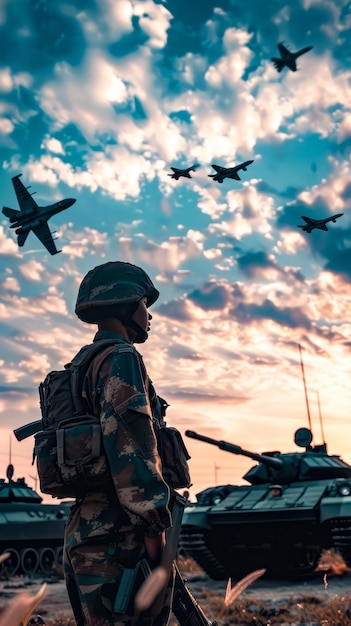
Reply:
x=79, y=366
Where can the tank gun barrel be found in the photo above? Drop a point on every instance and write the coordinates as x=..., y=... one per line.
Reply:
x=234, y=449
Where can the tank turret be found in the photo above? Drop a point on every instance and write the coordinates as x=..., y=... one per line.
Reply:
x=275, y=467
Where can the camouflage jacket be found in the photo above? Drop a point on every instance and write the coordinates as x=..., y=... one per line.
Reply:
x=116, y=388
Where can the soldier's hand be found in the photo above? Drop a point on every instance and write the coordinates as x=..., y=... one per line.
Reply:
x=154, y=547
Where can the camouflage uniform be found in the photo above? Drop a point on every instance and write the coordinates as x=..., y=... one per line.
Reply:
x=105, y=531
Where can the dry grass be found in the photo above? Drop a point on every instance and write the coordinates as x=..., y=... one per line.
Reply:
x=308, y=610
x=333, y=563
x=249, y=610
x=18, y=612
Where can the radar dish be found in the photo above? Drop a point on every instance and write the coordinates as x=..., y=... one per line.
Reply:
x=303, y=437
x=9, y=471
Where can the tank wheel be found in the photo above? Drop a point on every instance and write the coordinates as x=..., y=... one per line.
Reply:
x=29, y=560
x=59, y=556
x=301, y=564
x=193, y=543
x=341, y=538
x=46, y=560
x=10, y=566
x=308, y=558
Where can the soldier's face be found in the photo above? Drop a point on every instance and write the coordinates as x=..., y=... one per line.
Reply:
x=142, y=315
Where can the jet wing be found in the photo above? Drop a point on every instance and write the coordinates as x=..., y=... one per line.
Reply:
x=291, y=64
x=233, y=175
x=43, y=233
x=218, y=168
x=21, y=238
x=285, y=53
x=309, y=220
x=25, y=199
x=322, y=227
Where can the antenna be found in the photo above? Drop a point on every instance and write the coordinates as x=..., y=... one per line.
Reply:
x=35, y=478
x=304, y=384
x=320, y=418
x=215, y=472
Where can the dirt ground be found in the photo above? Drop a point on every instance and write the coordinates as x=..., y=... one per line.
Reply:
x=326, y=584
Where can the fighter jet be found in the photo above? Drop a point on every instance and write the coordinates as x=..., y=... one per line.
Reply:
x=321, y=224
x=33, y=217
x=228, y=172
x=179, y=172
x=288, y=58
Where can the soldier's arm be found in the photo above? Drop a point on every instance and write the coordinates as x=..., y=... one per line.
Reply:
x=130, y=443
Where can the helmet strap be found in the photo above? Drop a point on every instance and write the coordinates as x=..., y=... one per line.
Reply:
x=126, y=319
x=141, y=334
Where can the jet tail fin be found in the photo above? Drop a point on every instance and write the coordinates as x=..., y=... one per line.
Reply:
x=10, y=212
x=278, y=63
x=21, y=238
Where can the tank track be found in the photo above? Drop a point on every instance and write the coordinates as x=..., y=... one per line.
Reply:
x=341, y=537
x=192, y=543
x=44, y=560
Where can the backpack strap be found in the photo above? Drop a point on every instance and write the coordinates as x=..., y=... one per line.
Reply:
x=79, y=365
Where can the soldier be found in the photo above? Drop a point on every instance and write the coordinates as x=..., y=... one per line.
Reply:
x=112, y=529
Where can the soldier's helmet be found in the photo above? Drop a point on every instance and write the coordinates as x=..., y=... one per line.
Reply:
x=113, y=283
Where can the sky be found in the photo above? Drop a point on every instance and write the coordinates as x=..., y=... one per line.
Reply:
x=98, y=99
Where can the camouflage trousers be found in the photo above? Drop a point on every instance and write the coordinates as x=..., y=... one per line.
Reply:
x=92, y=581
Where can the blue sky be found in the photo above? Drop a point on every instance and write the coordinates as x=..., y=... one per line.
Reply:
x=97, y=100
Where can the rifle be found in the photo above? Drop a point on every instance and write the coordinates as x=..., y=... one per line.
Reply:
x=28, y=429
x=184, y=606
x=146, y=588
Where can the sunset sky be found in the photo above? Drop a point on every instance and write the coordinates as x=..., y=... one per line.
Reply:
x=98, y=99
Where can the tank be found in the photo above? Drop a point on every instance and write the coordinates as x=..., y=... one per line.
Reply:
x=30, y=531
x=294, y=506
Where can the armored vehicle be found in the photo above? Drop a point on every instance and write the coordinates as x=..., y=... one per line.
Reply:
x=31, y=532
x=294, y=506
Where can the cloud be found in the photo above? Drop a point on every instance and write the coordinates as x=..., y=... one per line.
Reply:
x=236, y=56
x=35, y=364
x=80, y=242
x=177, y=309
x=10, y=375
x=7, y=246
x=211, y=398
x=21, y=307
x=210, y=296
x=258, y=264
x=154, y=21
x=11, y=284
x=6, y=80
x=53, y=145
x=32, y=271
x=168, y=255
x=10, y=389
x=108, y=25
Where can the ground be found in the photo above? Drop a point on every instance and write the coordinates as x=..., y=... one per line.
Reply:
x=324, y=599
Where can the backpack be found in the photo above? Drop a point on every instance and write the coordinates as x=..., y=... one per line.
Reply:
x=69, y=453
x=170, y=445
x=69, y=450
